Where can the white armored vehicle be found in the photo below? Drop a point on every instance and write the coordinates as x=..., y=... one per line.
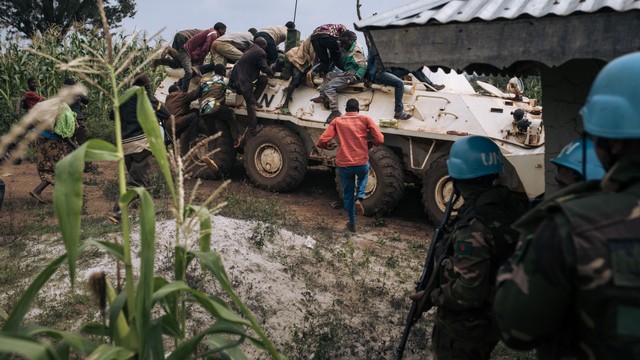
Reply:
x=414, y=152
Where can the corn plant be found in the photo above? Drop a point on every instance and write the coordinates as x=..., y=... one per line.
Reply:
x=130, y=324
x=17, y=65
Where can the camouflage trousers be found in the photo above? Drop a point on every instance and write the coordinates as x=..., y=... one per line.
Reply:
x=463, y=336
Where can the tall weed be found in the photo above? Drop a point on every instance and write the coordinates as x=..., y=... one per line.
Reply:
x=150, y=309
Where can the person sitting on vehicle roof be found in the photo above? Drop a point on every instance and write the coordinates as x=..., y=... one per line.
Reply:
x=428, y=84
x=301, y=57
x=379, y=75
x=355, y=66
x=230, y=47
x=324, y=40
x=275, y=35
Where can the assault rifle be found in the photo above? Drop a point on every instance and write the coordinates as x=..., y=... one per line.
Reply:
x=429, y=278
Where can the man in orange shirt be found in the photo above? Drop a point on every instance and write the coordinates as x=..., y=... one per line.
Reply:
x=352, y=156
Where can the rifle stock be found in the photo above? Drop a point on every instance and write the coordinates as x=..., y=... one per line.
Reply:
x=428, y=278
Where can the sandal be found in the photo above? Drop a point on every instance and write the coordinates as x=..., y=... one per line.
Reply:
x=38, y=197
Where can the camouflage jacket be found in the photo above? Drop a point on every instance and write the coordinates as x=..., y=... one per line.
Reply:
x=481, y=239
x=572, y=288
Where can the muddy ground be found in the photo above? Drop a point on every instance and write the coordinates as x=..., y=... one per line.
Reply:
x=320, y=292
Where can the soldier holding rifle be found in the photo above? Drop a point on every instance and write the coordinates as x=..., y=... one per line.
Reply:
x=461, y=283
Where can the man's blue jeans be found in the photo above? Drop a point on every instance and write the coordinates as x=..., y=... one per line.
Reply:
x=353, y=180
x=386, y=78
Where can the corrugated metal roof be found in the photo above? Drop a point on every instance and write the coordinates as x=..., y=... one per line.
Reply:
x=421, y=12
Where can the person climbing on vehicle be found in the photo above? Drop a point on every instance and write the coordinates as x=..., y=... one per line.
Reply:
x=274, y=35
x=182, y=117
x=245, y=72
x=230, y=47
x=324, y=40
x=301, y=57
x=352, y=157
x=212, y=103
x=354, y=67
x=190, y=49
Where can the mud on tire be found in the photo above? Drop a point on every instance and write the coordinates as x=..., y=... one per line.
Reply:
x=275, y=159
x=385, y=185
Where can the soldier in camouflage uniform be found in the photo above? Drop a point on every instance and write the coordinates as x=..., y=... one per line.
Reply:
x=572, y=289
x=481, y=239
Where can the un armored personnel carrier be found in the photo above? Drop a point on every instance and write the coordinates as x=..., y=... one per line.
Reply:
x=414, y=152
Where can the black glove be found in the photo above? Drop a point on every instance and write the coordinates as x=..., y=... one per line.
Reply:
x=353, y=80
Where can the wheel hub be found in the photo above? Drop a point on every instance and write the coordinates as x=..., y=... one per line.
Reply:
x=444, y=189
x=372, y=184
x=268, y=160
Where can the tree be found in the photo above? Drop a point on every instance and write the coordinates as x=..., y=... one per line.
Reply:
x=35, y=16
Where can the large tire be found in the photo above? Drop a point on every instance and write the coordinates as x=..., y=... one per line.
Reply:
x=385, y=185
x=437, y=187
x=224, y=157
x=275, y=159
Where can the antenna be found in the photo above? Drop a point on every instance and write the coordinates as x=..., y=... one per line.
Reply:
x=295, y=11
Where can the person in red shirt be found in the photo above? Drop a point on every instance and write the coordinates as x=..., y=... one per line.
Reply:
x=352, y=156
x=195, y=50
x=30, y=98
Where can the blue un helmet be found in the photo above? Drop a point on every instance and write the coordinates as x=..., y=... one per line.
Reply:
x=571, y=157
x=612, y=109
x=472, y=157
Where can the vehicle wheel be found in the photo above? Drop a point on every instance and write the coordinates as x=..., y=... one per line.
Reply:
x=437, y=188
x=224, y=157
x=385, y=185
x=275, y=159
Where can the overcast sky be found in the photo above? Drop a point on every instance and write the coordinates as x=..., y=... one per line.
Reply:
x=240, y=15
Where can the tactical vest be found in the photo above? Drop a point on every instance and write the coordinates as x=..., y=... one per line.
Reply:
x=605, y=233
x=497, y=209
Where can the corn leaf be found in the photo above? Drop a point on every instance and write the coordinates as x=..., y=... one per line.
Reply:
x=94, y=328
x=181, y=262
x=170, y=326
x=112, y=248
x=154, y=337
x=205, y=226
x=215, y=308
x=22, y=306
x=169, y=289
x=221, y=344
x=168, y=302
x=144, y=292
x=187, y=348
x=27, y=347
x=148, y=121
x=127, y=94
x=118, y=327
x=77, y=342
x=108, y=352
x=67, y=194
x=213, y=262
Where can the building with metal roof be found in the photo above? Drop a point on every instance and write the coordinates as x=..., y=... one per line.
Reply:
x=566, y=42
